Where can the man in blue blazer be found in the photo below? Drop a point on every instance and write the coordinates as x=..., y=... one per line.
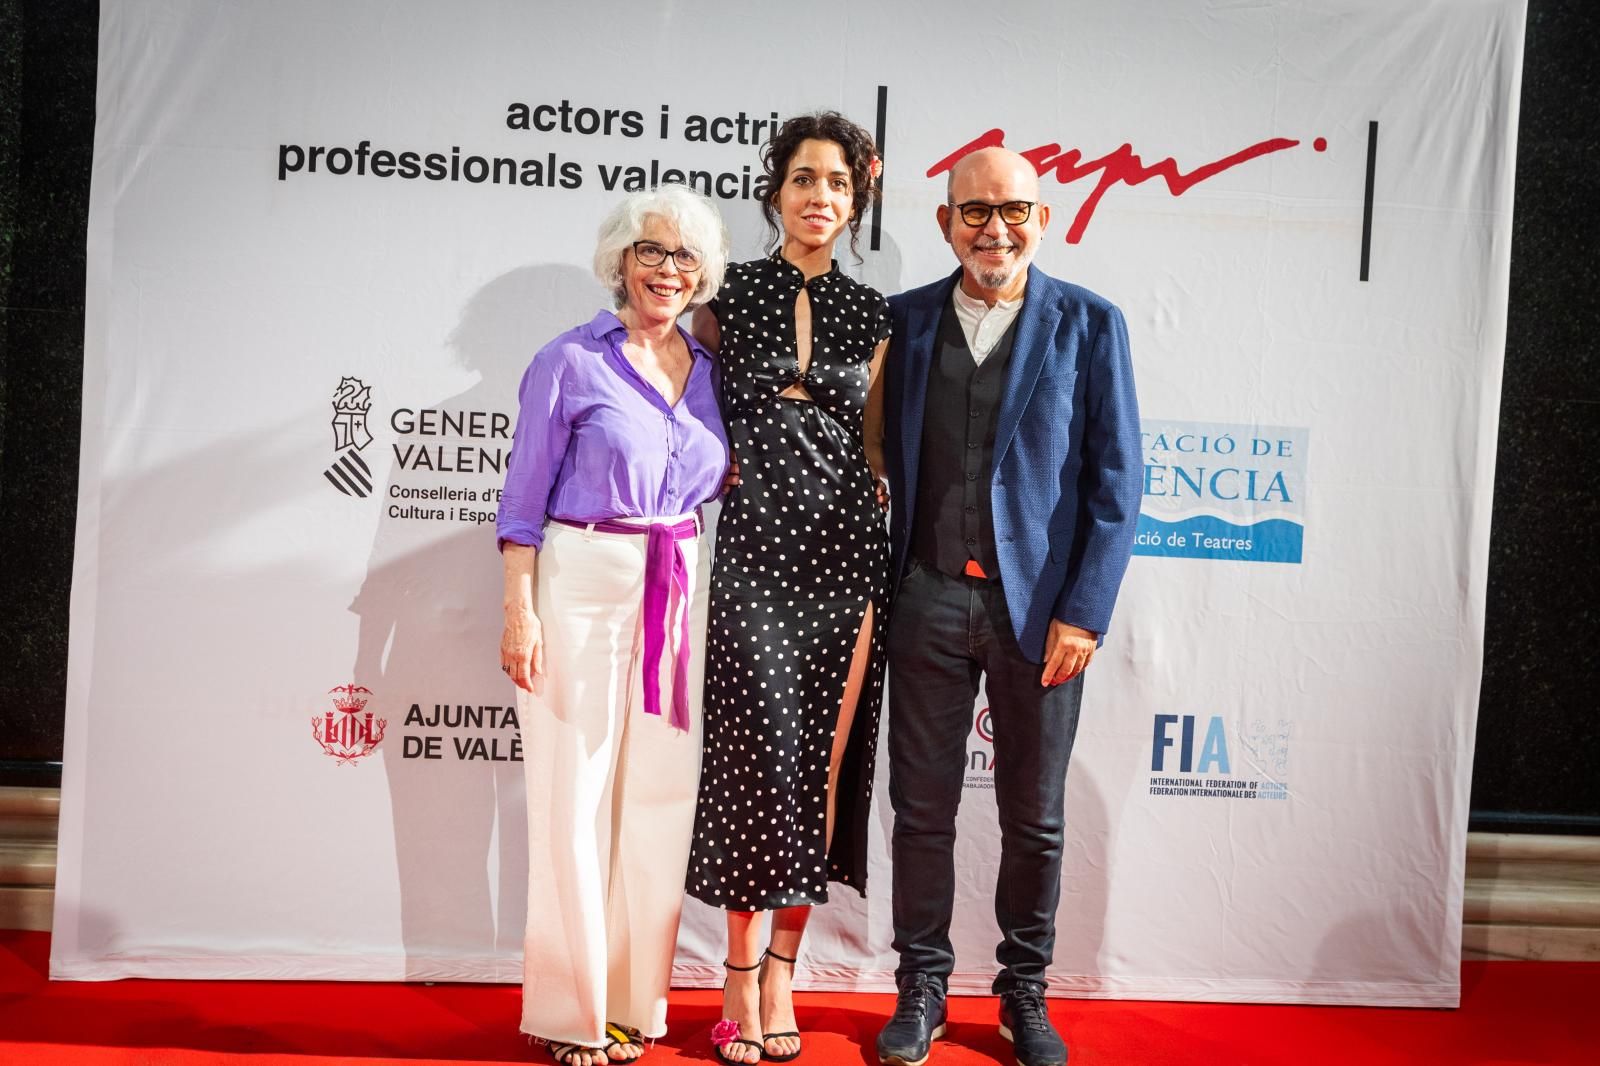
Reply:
x=1012, y=440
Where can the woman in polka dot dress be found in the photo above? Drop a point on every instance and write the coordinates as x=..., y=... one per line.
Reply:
x=794, y=670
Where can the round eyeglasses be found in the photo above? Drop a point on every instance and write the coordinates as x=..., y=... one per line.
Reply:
x=650, y=254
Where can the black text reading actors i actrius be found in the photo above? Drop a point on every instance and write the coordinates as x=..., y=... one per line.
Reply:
x=738, y=128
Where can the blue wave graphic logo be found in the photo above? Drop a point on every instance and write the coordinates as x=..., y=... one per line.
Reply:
x=1272, y=540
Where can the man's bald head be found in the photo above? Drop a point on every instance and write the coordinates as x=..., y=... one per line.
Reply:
x=988, y=165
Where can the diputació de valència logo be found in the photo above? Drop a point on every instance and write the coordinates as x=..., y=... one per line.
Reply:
x=1217, y=490
x=348, y=472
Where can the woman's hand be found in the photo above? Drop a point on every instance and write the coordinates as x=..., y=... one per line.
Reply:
x=522, y=643
x=872, y=425
x=522, y=648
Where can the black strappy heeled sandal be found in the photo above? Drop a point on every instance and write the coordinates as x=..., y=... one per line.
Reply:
x=769, y=1057
x=726, y=1031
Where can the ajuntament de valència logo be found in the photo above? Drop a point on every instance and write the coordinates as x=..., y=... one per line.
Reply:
x=349, y=731
x=1216, y=490
x=348, y=472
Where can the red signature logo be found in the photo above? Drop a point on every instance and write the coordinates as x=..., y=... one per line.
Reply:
x=1122, y=166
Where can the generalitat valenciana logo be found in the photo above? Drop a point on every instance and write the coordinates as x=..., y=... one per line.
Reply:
x=348, y=472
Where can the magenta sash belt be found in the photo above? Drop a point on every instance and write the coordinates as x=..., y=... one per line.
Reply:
x=666, y=585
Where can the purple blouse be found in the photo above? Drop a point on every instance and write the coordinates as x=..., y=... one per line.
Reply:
x=596, y=441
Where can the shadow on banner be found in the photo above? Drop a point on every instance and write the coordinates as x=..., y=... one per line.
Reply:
x=429, y=643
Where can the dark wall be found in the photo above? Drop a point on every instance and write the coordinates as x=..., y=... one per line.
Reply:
x=1538, y=756
x=47, y=76
x=1538, y=738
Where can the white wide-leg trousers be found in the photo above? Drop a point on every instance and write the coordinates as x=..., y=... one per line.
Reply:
x=611, y=790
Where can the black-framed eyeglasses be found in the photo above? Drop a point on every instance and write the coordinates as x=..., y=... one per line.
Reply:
x=976, y=213
x=650, y=254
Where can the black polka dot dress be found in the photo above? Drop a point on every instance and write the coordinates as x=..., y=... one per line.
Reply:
x=801, y=551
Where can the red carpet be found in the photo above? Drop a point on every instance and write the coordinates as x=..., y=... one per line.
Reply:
x=1511, y=1013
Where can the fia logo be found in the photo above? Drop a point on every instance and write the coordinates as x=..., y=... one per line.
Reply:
x=1213, y=748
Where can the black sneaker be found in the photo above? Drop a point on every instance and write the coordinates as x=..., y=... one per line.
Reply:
x=1025, y=1022
x=918, y=1021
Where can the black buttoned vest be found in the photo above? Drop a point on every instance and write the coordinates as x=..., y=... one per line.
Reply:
x=954, y=521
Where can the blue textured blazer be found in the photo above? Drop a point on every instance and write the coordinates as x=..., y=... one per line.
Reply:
x=1068, y=467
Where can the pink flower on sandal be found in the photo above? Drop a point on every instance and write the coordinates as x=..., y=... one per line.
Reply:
x=724, y=1032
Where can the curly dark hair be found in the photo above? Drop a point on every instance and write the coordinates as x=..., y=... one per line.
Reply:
x=859, y=152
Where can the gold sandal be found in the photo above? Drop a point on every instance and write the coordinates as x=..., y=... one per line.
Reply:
x=622, y=1036
x=567, y=1054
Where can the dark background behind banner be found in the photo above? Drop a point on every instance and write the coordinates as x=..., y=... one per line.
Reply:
x=1538, y=746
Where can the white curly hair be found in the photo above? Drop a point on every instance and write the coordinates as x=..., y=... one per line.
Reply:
x=699, y=225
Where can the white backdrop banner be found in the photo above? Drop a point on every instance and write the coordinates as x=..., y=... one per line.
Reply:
x=325, y=240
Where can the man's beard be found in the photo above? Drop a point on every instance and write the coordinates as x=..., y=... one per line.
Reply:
x=997, y=277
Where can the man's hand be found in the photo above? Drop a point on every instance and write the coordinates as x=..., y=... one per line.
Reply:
x=731, y=478
x=1067, y=650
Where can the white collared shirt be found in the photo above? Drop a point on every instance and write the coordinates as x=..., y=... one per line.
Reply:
x=983, y=325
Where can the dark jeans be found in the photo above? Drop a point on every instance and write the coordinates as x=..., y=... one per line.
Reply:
x=945, y=633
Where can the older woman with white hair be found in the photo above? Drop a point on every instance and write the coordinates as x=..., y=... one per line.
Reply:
x=606, y=558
